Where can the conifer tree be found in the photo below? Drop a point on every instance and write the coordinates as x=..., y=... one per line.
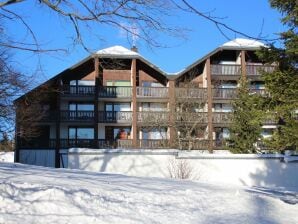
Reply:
x=282, y=84
x=246, y=126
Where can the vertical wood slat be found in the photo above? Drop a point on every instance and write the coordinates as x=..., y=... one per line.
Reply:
x=134, y=102
x=243, y=64
x=172, y=105
x=96, y=70
x=209, y=105
x=57, y=148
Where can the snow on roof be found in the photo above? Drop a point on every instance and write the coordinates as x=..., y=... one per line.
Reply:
x=240, y=42
x=117, y=51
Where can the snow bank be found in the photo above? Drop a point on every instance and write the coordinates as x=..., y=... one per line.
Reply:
x=31, y=194
x=7, y=157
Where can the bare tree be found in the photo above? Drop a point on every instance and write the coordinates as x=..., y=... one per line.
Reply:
x=180, y=169
x=187, y=116
x=139, y=19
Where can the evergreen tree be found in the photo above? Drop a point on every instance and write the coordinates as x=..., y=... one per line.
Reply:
x=5, y=143
x=245, y=129
x=282, y=84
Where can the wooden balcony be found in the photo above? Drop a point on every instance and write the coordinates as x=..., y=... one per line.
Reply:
x=153, y=143
x=194, y=144
x=186, y=117
x=191, y=93
x=221, y=118
x=224, y=93
x=153, y=118
x=152, y=92
x=226, y=70
x=256, y=70
x=68, y=90
x=37, y=144
x=67, y=115
x=114, y=116
x=88, y=143
x=115, y=92
x=124, y=144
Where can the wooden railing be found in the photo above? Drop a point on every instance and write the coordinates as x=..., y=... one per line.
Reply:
x=226, y=69
x=153, y=117
x=193, y=144
x=153, y=143
x=186, y=117
x=152, y=92
x=67, y=115
x=78, y=90
x=115, y=92
x=224, y=93
x=258, y=69
x=221, y=117
x=114, y=116
x=88, y=143
x=124, y=143
x=36, y=144
x=199, y=93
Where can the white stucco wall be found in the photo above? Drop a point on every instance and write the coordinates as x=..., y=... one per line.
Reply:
x=248, y=170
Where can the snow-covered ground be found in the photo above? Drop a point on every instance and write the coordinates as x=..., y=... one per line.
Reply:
x=7, y=157
x=31, y=194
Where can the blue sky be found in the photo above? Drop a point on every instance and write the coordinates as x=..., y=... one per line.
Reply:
x=251, y=17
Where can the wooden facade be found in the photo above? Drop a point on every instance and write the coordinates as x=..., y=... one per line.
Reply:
x=108, y=94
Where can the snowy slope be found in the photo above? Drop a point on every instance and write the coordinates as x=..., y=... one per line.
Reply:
x=7, y=157
x=31, y=194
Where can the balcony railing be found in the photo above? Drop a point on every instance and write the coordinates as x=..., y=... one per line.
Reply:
x=256, y=70
x=114, y=116
x=221, y=117
x=153, y=143
x=153, y=117
x=67, y=115
x=115, y=92
x=152, y=92
x=88, y=143
x=124, y=143
x=78, y=90
x=193, y=144
x=224, y=93
x=186, y=117
x=226, y=69
x=199, y=93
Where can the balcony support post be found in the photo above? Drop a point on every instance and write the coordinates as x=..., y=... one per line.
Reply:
x=134, y=102
x=96, y=89
x=172, y=108
x=57, y=146
x=209, y=105
x=243, y=64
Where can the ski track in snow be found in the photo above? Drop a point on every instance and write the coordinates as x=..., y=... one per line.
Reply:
x=32, y=194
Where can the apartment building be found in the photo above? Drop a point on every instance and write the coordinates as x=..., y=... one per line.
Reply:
x=116, y=98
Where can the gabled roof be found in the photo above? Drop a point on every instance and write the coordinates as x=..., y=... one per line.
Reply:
x=236, y=44
x=124, y=53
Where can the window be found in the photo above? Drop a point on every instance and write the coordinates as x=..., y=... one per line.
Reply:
x=80, y=133
x=151, y=84
x=154, y=107
x=118, y=83
x=154, y=133
x=117, y=107
x=81, y=107
x=82, y=82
